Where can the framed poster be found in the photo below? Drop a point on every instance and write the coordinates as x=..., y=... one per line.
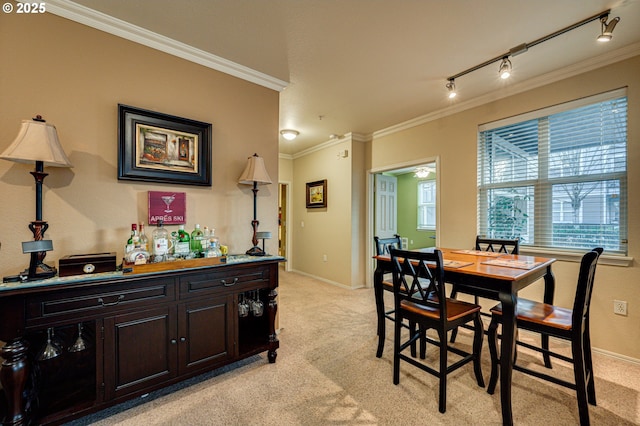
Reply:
x=317, y=194
x=155, y=147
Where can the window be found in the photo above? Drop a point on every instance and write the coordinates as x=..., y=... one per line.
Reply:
x=427, y=204
x=557, y=177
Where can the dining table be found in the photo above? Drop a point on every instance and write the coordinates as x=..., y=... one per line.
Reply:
x=491, y=275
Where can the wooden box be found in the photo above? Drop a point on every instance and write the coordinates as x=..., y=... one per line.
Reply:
x=83, y=264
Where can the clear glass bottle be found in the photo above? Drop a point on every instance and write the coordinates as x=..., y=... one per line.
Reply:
x=182, y=246
x=144, y=240
x=214, y=245
x=197, y=237
x=160, y=242
x=133, y=239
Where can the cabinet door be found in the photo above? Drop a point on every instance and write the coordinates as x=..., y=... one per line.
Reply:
x=140, y=350
x=206, y=333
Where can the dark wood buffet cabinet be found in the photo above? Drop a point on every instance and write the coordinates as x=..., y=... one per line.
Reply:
x=141, y=332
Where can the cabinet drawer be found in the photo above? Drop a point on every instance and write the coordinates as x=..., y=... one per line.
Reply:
x=101, y=299
x=225, y=279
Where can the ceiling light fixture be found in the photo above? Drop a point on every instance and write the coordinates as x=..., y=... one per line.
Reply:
x=289, y=134
x=451, y=87
x=607, y=29
x=423, y=172
x=505, y=68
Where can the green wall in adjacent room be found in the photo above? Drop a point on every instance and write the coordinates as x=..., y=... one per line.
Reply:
x=408, y=212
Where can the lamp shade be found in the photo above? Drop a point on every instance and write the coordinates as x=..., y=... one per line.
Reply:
x=37, y=141
x=255, y=172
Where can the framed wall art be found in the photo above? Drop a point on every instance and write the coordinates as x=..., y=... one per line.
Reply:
x=156, y=147
x=317, y=194
x=171, y=207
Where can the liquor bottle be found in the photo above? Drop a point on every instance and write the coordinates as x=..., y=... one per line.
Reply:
x=144, y=240
x=182, y=246
x=197, y=237
x=133, y=239
x=160, y=242
x=214, y=245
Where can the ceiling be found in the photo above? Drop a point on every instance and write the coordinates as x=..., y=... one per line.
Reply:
x=363, y=66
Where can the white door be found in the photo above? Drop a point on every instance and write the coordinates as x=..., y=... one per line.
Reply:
x=386, y=206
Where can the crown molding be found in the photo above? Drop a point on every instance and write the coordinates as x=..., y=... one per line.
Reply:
x=354, y=137
x=542, y=80
x=117, y=27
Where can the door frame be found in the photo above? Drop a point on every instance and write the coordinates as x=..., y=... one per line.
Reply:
x=370, y=224
x=287, y=255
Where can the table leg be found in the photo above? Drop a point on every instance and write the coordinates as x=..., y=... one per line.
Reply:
x=378, y=292
x=549, y=290
x=507, y=352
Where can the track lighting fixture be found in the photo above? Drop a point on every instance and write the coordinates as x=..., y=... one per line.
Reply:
x=607, y=29
x=505, y=65
x=505, y=68
x=451, y=87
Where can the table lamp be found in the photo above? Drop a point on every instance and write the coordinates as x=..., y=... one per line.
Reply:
x=37, y=142
x=255, y=173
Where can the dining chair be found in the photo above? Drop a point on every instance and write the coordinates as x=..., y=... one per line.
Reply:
x=420, y=298
x=383, y=246
x=495, y=245
x=567, y=324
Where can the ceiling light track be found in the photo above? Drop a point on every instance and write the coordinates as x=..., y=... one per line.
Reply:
x=607, y=29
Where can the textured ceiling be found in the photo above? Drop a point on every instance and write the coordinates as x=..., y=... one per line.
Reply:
x=361, y=66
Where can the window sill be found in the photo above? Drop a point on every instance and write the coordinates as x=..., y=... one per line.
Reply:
x=572, y=256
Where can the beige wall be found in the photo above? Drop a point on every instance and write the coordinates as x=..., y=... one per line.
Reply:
x=75, y=76
x=458, y=190
x=334, y=231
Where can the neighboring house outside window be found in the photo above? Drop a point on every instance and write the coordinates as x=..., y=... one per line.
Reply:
x=427, y=204
x=557, y=178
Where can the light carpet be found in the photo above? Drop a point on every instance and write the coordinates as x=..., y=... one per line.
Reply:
x=327, y=373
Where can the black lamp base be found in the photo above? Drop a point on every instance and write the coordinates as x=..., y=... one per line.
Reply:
x=255, y=251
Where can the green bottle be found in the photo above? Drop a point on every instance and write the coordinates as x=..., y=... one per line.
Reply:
x=197, y=236
x=182, y=245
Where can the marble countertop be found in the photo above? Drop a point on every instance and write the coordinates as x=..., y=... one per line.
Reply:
x=231, y=260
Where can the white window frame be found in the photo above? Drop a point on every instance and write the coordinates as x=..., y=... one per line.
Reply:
x=542, y=186
x=429, y=204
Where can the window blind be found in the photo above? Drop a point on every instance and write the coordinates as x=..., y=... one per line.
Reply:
x=557, y=177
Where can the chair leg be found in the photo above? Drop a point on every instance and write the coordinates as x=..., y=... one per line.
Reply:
x=454, y=332
x=492, y=336
x=581, y=379
x=478, y=335
x=423, y=343
x=544, y=339
x=588, y=364
x=396, y=349
x=442, y=405
x=412, y=332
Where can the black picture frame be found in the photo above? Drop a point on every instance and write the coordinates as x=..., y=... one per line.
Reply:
x=162, y=148
x=317, y=194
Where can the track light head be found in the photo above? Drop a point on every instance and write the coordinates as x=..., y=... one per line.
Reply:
x=451, y=87
x=607, y=28
x=505, y=68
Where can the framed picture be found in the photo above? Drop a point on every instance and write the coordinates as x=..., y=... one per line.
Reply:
x=155, y=147
x=317, y=194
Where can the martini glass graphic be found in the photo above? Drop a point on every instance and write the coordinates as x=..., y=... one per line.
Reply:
x=168, y=199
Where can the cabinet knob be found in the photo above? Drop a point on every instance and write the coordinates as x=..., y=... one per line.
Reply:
x=183, y=339
x=173, y=341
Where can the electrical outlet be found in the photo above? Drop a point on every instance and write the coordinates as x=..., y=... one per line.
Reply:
x=620, y=307
x=324, y=257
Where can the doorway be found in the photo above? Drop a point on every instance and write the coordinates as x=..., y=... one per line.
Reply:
x=413, y=204
x=283, y=220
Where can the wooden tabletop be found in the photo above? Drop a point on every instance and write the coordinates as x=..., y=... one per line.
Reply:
x=468, y=262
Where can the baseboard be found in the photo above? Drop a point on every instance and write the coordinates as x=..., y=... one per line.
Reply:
x=315, y=277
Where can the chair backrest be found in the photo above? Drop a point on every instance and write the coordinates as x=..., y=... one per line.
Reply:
x=498, y=245
x=419, y=276
x=384, y=244
x=585, y=288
